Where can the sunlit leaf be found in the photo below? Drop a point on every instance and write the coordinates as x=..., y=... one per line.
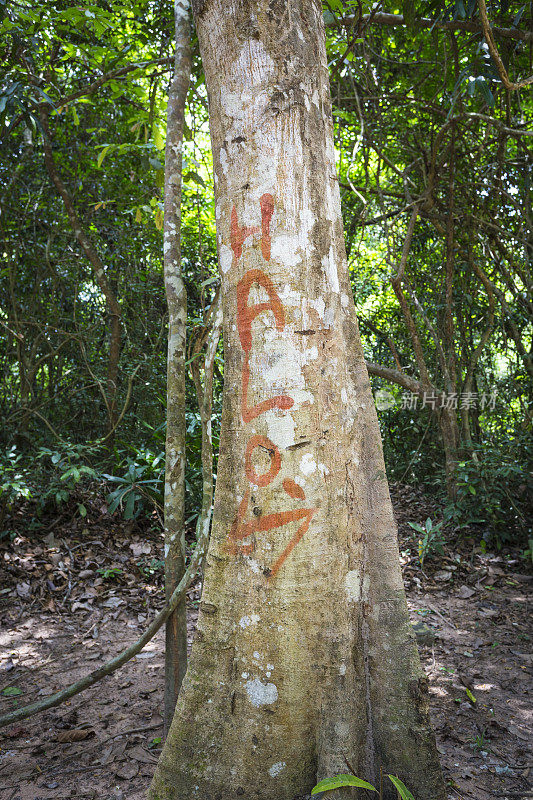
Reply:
x=338, y=781
x=103, y=153
x=403, y=791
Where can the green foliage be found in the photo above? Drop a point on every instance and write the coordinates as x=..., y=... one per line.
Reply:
x=152, y=568
x=528, y=552
x=12, y=691
x=402, y=789
x=431, y=539
x=14, y=483
x=339, y=781
x=140, y=487
x=110, y=573
x=495, y=490
x=67, y=472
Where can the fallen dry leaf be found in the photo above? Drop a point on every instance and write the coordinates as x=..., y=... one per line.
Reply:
x=128, y=770
x=74, y=735
x=465, y=592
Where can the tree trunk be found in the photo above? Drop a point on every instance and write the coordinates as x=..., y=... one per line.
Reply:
x=304, y=653
x=176, y=627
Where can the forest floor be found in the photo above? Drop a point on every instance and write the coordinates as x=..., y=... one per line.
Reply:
x=75, y=594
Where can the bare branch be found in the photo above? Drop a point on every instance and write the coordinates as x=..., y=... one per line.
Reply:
x=489, y=38
x=469, y=26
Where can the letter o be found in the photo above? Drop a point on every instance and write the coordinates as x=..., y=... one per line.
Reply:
x=275, y=461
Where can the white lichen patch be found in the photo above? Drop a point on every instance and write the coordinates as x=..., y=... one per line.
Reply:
x=356, y=589
x=319, y=306
x=330, y=267
x=261, y=694
x=342, y=729
x=225, y=257
x=248, y=620
x=281, y=428
x=276, y=768
x=307, y=464
x=309, y=355
x=223, y=160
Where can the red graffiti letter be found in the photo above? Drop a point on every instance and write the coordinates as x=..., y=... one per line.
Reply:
x=238, y=234
x=245, y=316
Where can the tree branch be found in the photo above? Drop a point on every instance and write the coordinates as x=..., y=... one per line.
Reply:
x=489, y=38
x=400, y=378
x=398, y=20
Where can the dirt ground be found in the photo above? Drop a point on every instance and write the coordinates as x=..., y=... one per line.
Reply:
x=75, y=594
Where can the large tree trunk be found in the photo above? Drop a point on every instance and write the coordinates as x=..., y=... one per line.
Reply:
x=304, y=654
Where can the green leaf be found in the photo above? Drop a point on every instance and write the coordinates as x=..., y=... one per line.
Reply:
x=194, y=177
x=470, y=695
x=103, y=154
x=483, y=88
x=416, y=527
x=129, y=509
x=403, y=791
x=341, y=780
x=207, y=282
x=112, y=507
x=11, y=691
x=158, y=139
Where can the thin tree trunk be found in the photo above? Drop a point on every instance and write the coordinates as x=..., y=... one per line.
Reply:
x=176, y=626
x=304, y=653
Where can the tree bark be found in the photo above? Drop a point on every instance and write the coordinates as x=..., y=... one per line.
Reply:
x=304, y=653
x=176, y=627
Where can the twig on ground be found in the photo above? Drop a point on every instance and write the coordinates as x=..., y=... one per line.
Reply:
x=434, y=610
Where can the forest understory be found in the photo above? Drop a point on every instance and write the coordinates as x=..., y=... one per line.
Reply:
x=75, y=593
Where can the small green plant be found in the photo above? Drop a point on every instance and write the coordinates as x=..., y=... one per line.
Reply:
x=480, y=742
x=339, y=781
x=447, y=670
x=431, y=539
x=109, y=573
x=69, y=471
x=155, y=565
x=13, y=485
x=528, y=552
x=11, y=691
x=141, y=483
